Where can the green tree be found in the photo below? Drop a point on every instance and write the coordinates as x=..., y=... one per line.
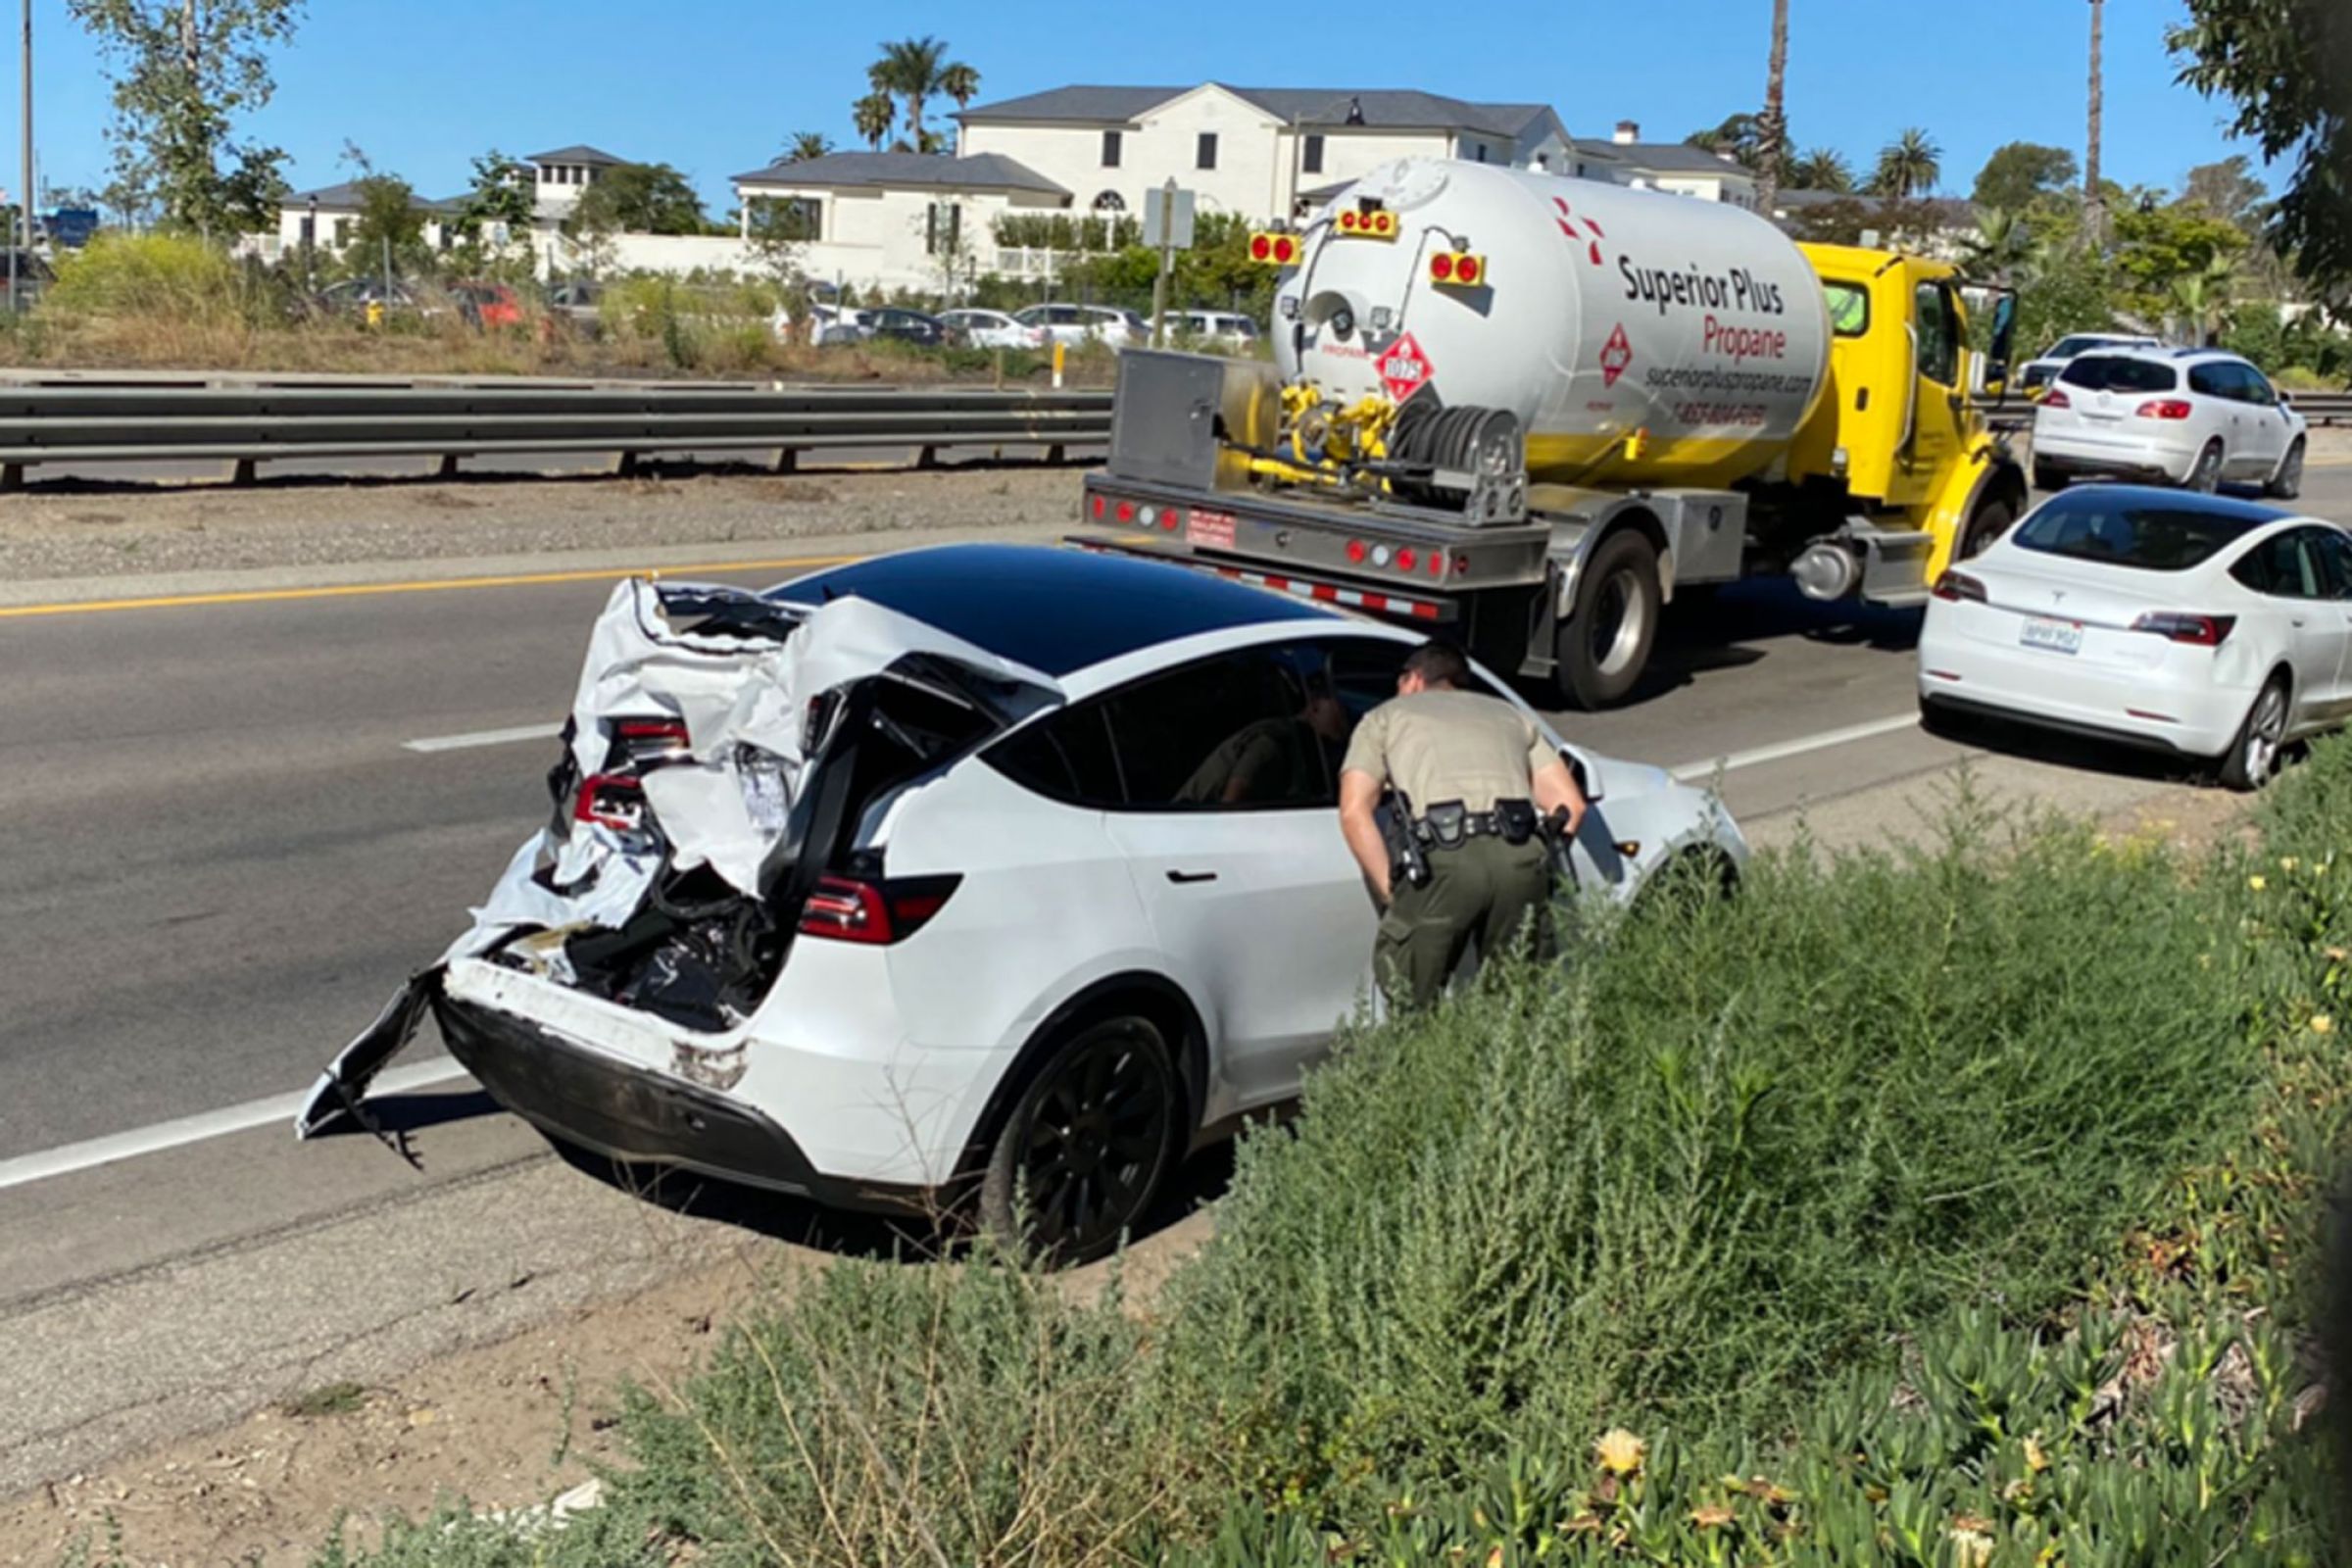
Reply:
x=805, y=146
x=1908, y=166
x=2287, y=64
x=184, y=73
x=2156, y=243
x=1822, y=169
x=1772, y=126
x=873, y=116
x=2002, y=246
x=388, y=215
x=2228, y=190
x=912, y=70
x=639, y=199
x=2200, y=300
x=1739, y=137
x=2018, y=172
x=501, y=193
x=960, y=82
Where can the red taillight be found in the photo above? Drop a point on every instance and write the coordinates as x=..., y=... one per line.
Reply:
x=1348, y=222
x=1441, y=267
x=1097, y=508
x=1261, y=247
x=2198, y=631
x=2055, y=399
x=1126, y=512
x=1286, y=249
x=848, y=910
x=1406, y=559
x=2163, y=409
x=1357, y=551
x=1955, y=587
x=610, y=800
x=1466, y=270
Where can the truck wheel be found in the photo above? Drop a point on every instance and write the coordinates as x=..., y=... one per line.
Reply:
x=1087, y=1145
x=1604, y=647
x=1992, y=519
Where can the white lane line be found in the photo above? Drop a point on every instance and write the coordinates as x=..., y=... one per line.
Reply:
x=483, y=737
x=1691, y=772
x=68, y=1159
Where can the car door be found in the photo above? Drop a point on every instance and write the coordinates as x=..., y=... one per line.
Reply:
x=1231, y=830
x=2335, y=552
x=2267, y=422
x=2290, y=571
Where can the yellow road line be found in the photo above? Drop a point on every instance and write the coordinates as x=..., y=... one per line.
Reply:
x=358, y=590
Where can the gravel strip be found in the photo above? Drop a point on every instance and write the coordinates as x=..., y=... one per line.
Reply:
x=95, y=531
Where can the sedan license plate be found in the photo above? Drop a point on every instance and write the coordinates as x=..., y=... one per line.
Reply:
x=2057, y=636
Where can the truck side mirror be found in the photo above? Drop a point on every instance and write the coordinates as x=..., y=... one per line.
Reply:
x=1994, y=379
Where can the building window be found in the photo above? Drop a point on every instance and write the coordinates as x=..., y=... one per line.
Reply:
x=1204, y=154
x=800, y=218
x=1478, y=151
x=1111, y=141
x=942, y=227
x=1111, y=201
x=309, y=229
x=1311, y=157
x=342, y=232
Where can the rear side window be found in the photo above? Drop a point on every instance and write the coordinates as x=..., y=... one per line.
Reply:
x=1244, y=731
x=2209, y=381
x=2285, y=567
x=1849, y=308
x=2150, y=536
x=1066, y=758
x=2112, y=372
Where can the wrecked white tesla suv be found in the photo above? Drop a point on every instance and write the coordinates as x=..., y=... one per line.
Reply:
x=943, y=867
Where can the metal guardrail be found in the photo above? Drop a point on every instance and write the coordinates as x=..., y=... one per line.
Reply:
x=99, y=418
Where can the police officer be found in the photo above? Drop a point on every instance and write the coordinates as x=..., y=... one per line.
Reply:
x=1474, y=777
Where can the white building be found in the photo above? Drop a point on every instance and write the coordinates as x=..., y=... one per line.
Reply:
x=1677, y=168
x=562, y=176
x=918, y=220
x=326, y=218
x=1260, y=152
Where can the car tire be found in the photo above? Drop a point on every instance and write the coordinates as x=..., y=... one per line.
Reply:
x=2205, y=476
x=1992, y=519
x=2047, y=477
x=2253, y=756
x=1087, y=1145
x=2288, y=484
x=1604, y=648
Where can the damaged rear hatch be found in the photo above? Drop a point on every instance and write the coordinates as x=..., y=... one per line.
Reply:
x=728, y=773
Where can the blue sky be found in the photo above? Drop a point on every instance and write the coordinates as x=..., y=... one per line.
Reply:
x=715, y=86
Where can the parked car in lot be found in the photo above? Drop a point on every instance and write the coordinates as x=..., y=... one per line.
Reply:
x=935, y=869
x=2037, y=373
x=1225, y=330
x=823, y=325
x=2204, y=626
x=2186, y=416
x=1082, y=324
x=487, y=306
x=575, y=300
x=992, y=330
x=353, y=295
x=903, y=326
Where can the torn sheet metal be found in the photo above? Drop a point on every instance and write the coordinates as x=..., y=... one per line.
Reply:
x=344, y=1085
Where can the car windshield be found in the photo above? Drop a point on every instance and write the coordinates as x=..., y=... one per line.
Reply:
x=2069, y=347
x=2150, y=534
x=2114, y=372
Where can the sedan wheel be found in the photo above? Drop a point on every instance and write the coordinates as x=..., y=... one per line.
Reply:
x=2206, y=476
x=2253, y=756
x=1087, y=1145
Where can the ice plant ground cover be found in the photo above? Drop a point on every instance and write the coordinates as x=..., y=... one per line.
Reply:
x=1958, y=1207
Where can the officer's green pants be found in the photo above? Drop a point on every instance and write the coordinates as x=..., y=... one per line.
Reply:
x=1487, y=892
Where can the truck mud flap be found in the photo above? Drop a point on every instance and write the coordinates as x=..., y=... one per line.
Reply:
x=342, y=1090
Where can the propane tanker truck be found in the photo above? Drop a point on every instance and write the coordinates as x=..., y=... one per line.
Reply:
x=1531, y=411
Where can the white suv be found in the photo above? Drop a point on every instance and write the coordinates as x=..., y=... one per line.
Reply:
x=2185, y=417
x=943, y=867
x=2035, y=374
x=1080, y=323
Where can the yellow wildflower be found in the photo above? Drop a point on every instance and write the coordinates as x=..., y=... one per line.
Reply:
x=1619, y=1451
x=2257, y=883
x=2288, y=862
x=1714, y=1518
x=2322, y=1024
x=2035, y=1460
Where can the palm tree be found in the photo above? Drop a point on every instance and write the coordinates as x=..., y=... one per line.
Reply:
x=2003, y=245
x=1822, y=169
x=872, y=116
x=960, y=82
x=2094, y=200
x=805, y=146
x=1734, y=138
x=1909, y=164
x=912, y=70
x=2202, y=297
x=1772, y=126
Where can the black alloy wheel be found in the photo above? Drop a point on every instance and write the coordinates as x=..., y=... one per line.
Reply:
x=1087, y=1145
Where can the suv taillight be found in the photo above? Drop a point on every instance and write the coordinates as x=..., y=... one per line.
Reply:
x=877, y=913
x=2198, y=631
x=2163, y=409
x=637, y=741
x=611, y=799
x=1953, y=587
x=2055, y=399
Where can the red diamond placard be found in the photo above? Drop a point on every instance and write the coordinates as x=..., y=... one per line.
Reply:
x=1404, y=369
x=1615, y=356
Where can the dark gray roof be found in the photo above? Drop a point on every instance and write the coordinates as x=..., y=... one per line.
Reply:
x=1661, y=156
x=346, y=196
x=1952, y=211
x=576, y=154
x=981, y=171
x=1383, y=109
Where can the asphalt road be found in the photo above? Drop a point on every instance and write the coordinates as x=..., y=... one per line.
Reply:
x=223, y=855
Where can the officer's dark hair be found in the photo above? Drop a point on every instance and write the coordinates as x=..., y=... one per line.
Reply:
x=1438, y=663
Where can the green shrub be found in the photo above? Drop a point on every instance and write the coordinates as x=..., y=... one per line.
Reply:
x=179, y=277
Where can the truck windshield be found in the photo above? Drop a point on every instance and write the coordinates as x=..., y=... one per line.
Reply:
x=2160, y=535
x=1849, y=308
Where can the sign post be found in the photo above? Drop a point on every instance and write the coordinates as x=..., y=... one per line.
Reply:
x=1168, y=229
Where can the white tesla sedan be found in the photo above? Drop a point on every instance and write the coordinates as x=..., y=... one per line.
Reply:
x=996, y=865
x=2199, y=624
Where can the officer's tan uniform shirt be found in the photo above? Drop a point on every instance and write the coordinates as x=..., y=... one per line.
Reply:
x=1449, y=746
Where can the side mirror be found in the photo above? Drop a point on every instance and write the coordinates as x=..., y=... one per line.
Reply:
x=1994, y=382
x=1585, y=774
x=2284, y=401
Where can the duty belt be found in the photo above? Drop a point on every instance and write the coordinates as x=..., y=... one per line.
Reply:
x=1448, y=824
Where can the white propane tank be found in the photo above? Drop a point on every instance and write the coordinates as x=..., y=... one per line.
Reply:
x=1640, y=338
